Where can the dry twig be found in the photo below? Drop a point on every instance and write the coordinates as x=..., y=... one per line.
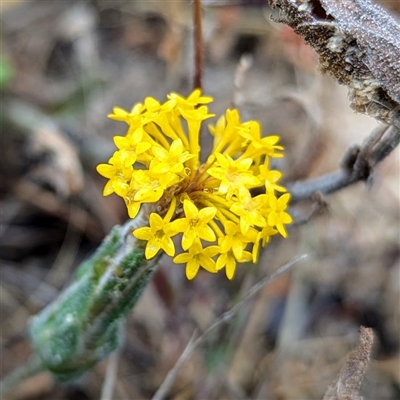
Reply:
x=348, y=383
x=357, y=165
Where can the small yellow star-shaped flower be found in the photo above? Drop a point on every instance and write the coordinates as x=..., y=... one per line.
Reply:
x=197, y=257
x=195, y=224
x=277, y=216
x=158, y=236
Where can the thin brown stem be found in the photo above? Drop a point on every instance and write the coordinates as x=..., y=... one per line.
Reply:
x=198, y=45
x=363, y=161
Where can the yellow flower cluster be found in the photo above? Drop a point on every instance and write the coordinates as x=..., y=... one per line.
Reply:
x=158, y=164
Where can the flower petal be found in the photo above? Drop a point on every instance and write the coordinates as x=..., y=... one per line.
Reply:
x=192, y=267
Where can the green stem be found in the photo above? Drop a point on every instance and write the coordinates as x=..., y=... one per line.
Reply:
x=85, y=324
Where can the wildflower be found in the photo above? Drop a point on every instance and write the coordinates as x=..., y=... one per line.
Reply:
x=195, y=224
x=233, y=240
x=128, y=192
x=158, y=236
x=233, y=174
x=260, y=146
x=209, y=206
x=115, y=171
x=194, y=99
x=228, y=260
x=263, y=237
x=250, y=210
x=270, y=179
x=277, y=216
x=172, y=160
x=197, y=257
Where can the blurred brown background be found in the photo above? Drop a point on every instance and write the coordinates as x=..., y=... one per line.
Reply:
x=64, y=65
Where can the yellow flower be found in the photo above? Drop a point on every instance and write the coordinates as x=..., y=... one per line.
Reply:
x=218, y=130
x=270, y=178
x=232, y=247
x=193, y=100
x=234, y=174
x=194, y=119
x=234, y=240
x=277, y=216
x=130, y=148
x=228, y=260
x=263, y=238
x=128, y=192
x=115, y=171
x=151, y=187
x=249, y=210
x=195, y=224
x=226, y=134
x=119, y=114
x=258, y=145
x=158, y=236
x=198, y=257
x=171, y=160
x=157, y=167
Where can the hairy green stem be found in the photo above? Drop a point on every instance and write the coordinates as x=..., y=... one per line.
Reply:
x=85, y=323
